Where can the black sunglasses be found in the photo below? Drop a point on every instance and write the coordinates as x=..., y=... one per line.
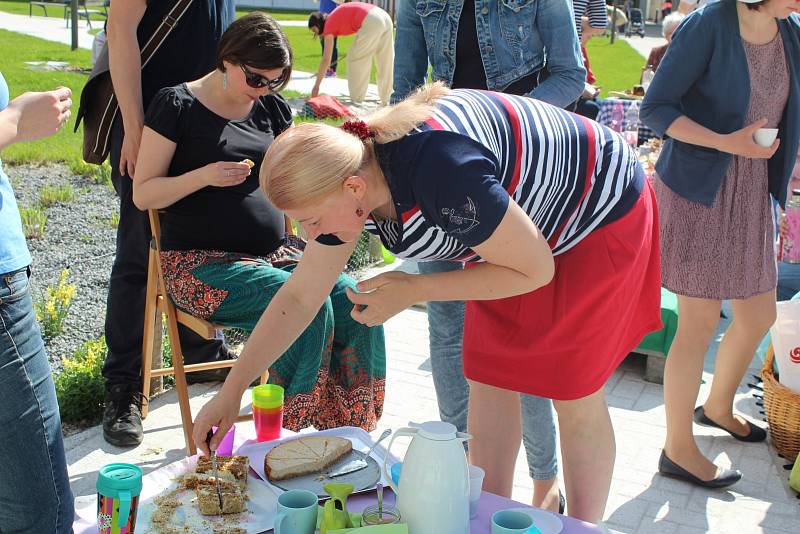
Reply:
x=256, y=81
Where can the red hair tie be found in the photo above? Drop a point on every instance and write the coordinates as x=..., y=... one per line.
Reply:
x=358, y=128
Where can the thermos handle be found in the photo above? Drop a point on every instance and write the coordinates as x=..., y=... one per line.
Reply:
x=124, y=508
x=279, y=521
x=402, y=432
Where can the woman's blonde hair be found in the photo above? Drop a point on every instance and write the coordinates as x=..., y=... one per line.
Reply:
x=311, y=160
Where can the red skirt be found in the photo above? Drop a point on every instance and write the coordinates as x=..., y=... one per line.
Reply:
x=564, y=340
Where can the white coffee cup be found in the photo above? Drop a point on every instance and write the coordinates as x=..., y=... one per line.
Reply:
x=476, y=475
x=765, y=136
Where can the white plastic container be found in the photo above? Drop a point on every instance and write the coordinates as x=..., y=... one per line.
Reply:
x=786, y=341
x=433, y=491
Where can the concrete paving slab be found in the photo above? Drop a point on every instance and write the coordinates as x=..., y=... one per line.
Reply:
x=49, y=28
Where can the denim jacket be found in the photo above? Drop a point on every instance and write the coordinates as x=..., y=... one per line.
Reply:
x=516, y=38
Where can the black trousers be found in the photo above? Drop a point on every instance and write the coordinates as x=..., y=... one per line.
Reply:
x=124, y=327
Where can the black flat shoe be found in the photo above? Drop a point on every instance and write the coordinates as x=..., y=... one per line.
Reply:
x=562, y=503
x=669, y=468
x=756, y=432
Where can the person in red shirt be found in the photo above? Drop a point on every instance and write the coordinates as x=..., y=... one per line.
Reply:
x=374, y=33
x=666, y=9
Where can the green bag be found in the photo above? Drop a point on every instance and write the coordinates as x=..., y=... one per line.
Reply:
x=794, y=477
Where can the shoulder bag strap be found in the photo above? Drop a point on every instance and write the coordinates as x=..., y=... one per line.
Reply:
x=164, y=29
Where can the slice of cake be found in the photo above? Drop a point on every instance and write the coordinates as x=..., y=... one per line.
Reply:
x=232, y=481
x=208, y=501
x=201, y=480
x=304, y=456
x=235, y=465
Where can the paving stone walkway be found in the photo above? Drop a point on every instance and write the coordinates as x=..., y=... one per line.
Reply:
x=641, y=501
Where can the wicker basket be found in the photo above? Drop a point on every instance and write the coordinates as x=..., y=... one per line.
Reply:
x=783, y=411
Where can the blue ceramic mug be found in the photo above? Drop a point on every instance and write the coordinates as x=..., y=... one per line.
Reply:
x=297, y=513
x=513, y=522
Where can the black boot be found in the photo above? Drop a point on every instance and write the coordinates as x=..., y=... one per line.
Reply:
x=122, y=419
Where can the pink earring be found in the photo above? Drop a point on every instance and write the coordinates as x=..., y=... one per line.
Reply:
x=359, y=212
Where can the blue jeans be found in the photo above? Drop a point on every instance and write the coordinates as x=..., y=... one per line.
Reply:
x=446, y=330
x=788, y=280
x=34, y=486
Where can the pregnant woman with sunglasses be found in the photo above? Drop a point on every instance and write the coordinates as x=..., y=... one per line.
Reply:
x=226, y=249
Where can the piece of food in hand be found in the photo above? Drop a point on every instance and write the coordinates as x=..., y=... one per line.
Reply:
x=208, y=501
x=305, y=456
x=234, y=465
x=249, y=162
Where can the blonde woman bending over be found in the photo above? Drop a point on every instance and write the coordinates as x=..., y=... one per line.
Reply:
x=541, y=203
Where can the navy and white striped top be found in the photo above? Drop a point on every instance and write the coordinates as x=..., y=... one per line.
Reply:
x=452, y=177
x=594, y=9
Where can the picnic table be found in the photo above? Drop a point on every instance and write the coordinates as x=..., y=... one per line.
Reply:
x=607, y=107
x=85, y=520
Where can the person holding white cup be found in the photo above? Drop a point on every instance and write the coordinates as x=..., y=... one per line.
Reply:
x=724, y=88
x=765, y=137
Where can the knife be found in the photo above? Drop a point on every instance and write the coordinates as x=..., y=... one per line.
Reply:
x=214, y=467
x=359, y=463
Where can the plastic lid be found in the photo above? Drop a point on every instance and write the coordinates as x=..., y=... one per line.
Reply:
x=120, y=476
x=436, y=430
x=268, y=396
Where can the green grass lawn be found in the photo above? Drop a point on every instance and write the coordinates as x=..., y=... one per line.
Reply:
x=308, y=53
x=617, y=67
x=21, y=7
x=66, y=145
x=277, y=14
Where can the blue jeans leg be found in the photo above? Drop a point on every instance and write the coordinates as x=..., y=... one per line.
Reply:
x=446, y=332
x=34, y=486
x=788, y=280
x=539, y=436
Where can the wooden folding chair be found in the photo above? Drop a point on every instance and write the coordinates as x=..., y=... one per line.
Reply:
x=159, y=302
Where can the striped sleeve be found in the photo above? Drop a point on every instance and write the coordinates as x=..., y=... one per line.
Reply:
x=594, y=9
x=598, y=18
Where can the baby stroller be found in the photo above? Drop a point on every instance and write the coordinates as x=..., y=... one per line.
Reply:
x=635, y=23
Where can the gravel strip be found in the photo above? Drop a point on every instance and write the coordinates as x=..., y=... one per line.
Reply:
x=78, y=236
